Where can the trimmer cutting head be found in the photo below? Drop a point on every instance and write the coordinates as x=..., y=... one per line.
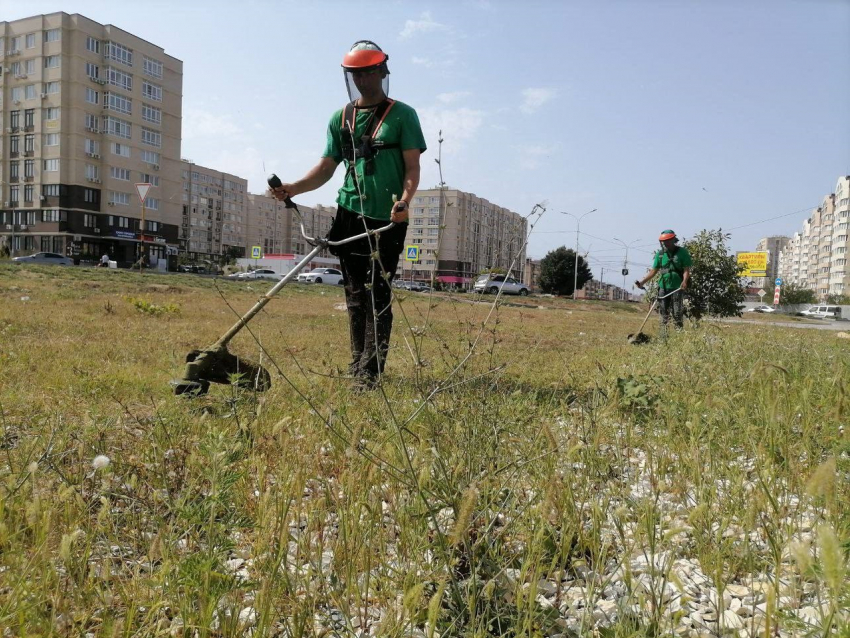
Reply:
x=217, y=365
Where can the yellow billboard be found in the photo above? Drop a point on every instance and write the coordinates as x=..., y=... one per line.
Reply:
x=753, y=264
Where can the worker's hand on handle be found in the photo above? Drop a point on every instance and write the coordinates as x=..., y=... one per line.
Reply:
x=639, y=284
x=400, y=212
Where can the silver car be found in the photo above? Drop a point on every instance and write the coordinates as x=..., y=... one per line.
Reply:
x=494, y=283
x=45, y=258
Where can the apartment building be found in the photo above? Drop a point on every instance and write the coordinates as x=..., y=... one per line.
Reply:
x=773, y=246
x=595, y=289
x=816, y=257
x=88, y=110
x=531, y=274
x=460, y=234
x=214, y=221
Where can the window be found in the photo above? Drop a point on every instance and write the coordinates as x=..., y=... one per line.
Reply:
x=29, y=118
x=53, y=215
x=152, y=91
x=150, y=157
x=30, y=66
x=119, y=53
x=51, y=88
x=50, y=190
x=120, y=149
x=31, y=92
x=92, y=70
x=89, y=221
x=151, y=67
x=92, y=96
x=152, y=226
x=14, y=170
x=119, y=103
x=119, y=222
x=147, y=178
x=93, y=44
x=15, y=68
x=14, y=194
x=114, y=126
x=28, y=195
x=17, y=94
x=52, y=35
x=30, y=39
x=152, y=138
x=92, y=172
x=120, y=173
x=51, y=62
x=91, y=122
x=92, y=147
x=51, y=165
x=15, y=119
x=29, y=168
x=152, y=204
x=120, y=79
x=51, y=113
x=151, y=114
x=29, y=143
x=121, y=199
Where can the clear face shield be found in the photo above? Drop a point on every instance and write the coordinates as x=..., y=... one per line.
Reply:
x=369, y=82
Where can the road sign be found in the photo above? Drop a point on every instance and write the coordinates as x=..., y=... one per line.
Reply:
x=778, y=281
x=762, y=292
x=411, y=253
x=142, y=190
x=776, y=296
x=625, y=271
x=256, y=252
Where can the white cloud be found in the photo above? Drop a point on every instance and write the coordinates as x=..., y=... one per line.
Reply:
x=458, y=124
x=426, y=62
x=532, y=156
x=533, y=99
x=425, y=24
x=201, y=124
x=448, y=98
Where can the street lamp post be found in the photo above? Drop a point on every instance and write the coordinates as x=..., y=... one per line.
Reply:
x=578, y=225
x=626, y=260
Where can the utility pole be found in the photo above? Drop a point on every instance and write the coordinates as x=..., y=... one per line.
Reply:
x=578, y=225
x=626, y=259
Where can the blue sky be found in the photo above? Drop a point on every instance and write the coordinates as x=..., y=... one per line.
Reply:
x=687, y=115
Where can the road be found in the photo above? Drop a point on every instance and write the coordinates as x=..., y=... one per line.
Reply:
x=826, y=324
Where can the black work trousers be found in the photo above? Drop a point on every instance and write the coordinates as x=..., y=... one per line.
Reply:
x=672, y=305
x=368, y=266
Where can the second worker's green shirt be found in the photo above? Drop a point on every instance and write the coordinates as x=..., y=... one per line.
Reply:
x=675, y=267
x=386, y=181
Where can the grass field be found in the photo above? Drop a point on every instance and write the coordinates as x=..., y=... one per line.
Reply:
x=522, y=471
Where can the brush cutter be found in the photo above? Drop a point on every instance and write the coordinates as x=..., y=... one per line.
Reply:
x=215, y=364
x=639, y=337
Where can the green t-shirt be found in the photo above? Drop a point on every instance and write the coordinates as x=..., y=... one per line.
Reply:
x=400, y=126
x=675, y=266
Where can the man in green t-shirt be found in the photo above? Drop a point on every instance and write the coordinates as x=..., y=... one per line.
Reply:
x=674, y=263
x=379, y=140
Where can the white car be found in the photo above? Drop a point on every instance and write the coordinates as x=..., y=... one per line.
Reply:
x=44, y=258
x=260, y=273
x=494, y=283
x=330, y=276
x=822, y=312
x=766, y=309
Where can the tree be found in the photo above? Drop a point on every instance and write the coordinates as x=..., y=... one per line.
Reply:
x=838, y=300
x=794, y=295
x=715, y=286
x=557, y=271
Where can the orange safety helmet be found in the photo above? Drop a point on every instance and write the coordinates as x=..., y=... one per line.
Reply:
x=667, y=234
x=365, y=56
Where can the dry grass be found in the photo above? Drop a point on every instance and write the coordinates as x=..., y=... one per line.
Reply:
x=312, y=506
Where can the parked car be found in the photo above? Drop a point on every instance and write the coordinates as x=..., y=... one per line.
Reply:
x=493, y=283
x=321, y=276
x=45, y=258
x=195, y=268
x=413, y=286
x=822, y=312
x=766, y=309
x=260, y=273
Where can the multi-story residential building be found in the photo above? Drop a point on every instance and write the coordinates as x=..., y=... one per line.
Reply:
x=460, y=234
x=88, y=110
x=214, y=222
x=773, y=246
x=277, y=229
x=816, y=258
x=595, y=289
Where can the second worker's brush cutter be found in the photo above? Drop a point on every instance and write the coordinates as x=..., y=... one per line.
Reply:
x=215, y=364
x=640, y=337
